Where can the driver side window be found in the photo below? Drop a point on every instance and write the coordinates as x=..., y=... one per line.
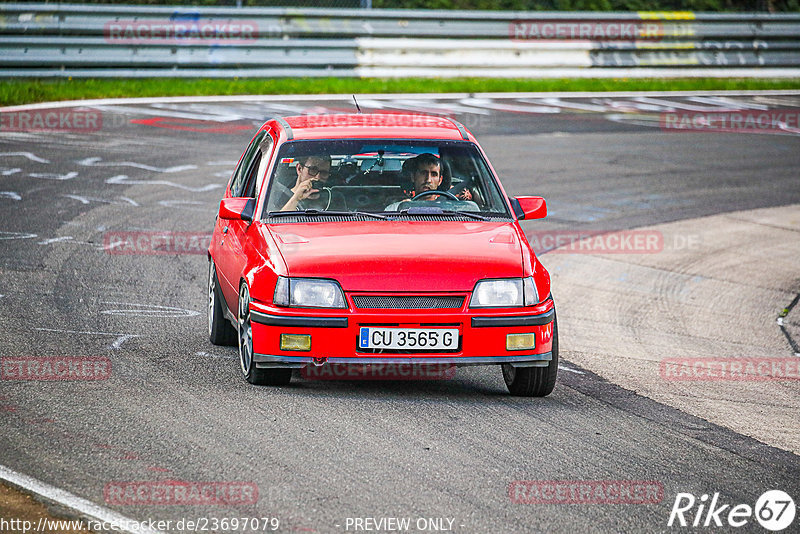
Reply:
x=246, y=168
x=249, y=189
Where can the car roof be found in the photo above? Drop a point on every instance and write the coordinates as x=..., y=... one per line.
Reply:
x=371, y=125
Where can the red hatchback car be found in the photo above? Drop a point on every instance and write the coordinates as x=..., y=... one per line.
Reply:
x=377, y=239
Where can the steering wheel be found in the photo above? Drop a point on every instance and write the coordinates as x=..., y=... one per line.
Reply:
x=437, y=192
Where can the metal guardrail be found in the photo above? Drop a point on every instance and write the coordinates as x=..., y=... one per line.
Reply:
x=114, y=41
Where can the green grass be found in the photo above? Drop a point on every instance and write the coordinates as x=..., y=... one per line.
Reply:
x=45, y=90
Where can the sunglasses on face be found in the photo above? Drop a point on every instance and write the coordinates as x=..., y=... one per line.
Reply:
x=313, y=171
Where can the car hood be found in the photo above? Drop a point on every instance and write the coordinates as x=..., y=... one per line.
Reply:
x=401, y=255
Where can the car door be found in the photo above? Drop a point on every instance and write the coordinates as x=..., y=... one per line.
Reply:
x=230, y=259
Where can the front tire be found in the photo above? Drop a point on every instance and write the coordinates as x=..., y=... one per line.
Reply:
x=220, y=331
x=533, y=381
x=254, y=375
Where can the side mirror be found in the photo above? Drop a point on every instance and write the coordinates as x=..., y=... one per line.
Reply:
x=529, y=207
x=237, y=208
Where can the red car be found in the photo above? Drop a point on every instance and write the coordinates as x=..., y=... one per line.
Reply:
x=377, y=239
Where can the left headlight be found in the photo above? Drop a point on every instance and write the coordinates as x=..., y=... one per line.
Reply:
x=308, y=293
x=504, y=293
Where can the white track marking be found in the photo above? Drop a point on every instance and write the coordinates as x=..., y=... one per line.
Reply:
x=70, y=240
x=161, y=112
x=435, y=107
x=8, y=171
x=86, y=508
x=55, y=240
x=727, y=103
x=86, y=200
x=560, y=368
x=121, y=338
x=559, y=103
x=786, y=128
x=10, y=194
x=111, y=246
x=122, y=179
x=285, y=109
x=29, y=155
x=16, y=235
x=670, y=105
x=224, y=163
x=82, y=200
x=53, y=176
x=204, y=112
x=512, y=108
x=255, y=99
x=149, y=310
x=364, y=103
x=98, y=162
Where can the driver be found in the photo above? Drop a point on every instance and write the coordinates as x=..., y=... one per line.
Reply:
x=425, y=172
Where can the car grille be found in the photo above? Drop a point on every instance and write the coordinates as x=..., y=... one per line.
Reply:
x=410, y=302
x=364, y=218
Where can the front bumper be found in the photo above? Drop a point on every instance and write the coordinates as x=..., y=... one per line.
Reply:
x=535, y=360
x=334, y=335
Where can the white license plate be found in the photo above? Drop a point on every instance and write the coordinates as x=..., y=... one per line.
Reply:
x=428, y=339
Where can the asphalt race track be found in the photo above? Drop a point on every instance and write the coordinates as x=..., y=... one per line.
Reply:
x=446, y=454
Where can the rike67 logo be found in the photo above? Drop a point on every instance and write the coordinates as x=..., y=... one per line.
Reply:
x=774, y=510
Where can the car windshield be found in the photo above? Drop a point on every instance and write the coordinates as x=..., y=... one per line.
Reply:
x=396, y=178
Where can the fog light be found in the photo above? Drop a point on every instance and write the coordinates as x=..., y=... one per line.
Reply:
x=520, y=341
x=295, y=342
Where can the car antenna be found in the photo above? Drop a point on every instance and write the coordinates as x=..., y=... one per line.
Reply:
x=357, y=106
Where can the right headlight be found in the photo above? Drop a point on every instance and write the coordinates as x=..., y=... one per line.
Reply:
x=308, y=293
x=504, y=293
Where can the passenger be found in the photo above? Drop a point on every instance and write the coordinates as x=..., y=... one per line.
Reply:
x=313, y=172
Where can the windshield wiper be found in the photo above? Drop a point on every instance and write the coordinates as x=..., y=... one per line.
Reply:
x=419, y=210
x=314, y=212
x=364, y=213
x=469, y=214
